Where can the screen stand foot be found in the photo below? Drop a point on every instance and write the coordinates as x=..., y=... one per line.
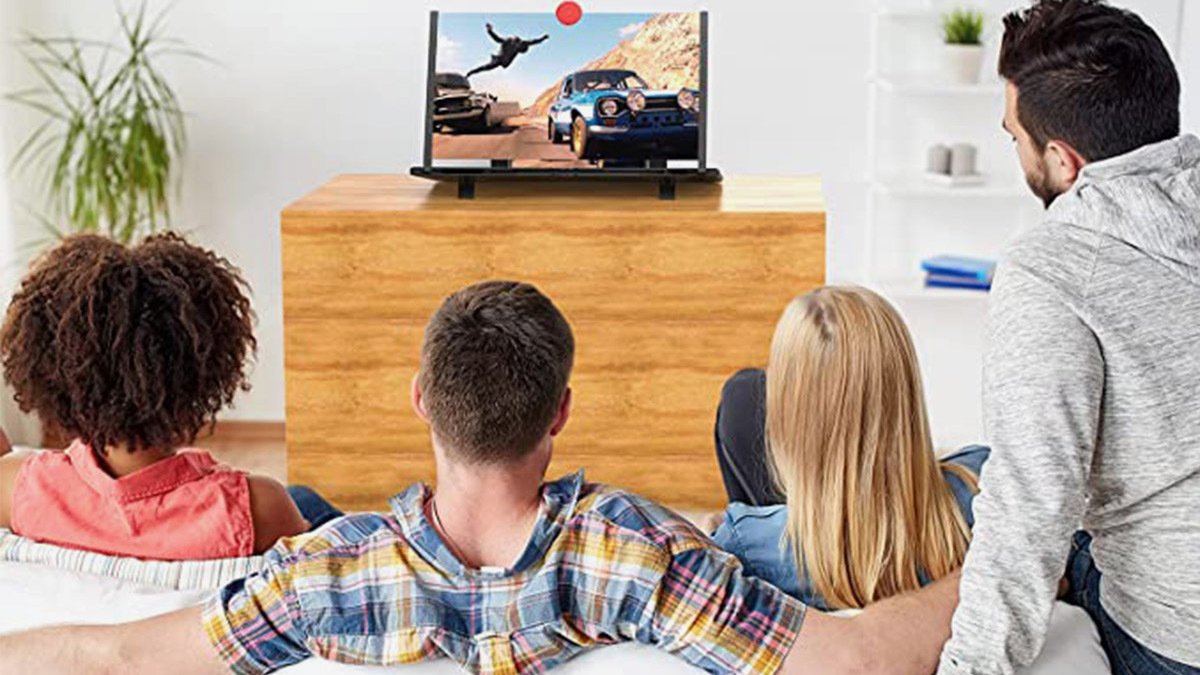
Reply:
x=466, y=187
x=666, y=189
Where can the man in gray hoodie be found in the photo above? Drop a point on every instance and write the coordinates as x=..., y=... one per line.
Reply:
x=1092, y=375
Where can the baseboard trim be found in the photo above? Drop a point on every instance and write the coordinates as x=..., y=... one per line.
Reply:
x=233, y=431
x=226, y=431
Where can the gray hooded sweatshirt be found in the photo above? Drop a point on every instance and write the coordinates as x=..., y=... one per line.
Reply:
x=1092, y=409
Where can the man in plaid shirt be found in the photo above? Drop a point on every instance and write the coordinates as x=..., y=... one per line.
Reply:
x=495, y=568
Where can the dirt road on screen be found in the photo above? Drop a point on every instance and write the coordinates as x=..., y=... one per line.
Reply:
x=525, y=143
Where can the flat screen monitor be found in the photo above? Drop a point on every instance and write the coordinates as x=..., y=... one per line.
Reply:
x=521, y=91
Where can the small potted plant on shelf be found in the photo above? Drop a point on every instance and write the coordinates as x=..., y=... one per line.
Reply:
x=108, y=150
x=962, y=57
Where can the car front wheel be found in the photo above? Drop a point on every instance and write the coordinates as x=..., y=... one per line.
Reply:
x=481, y=122
x=579, y=138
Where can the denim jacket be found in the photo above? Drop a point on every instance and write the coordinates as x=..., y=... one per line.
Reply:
x=755, y=534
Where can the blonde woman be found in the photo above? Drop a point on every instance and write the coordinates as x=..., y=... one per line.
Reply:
x=827, y=459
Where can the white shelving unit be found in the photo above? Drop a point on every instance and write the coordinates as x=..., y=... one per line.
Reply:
x=907, y=218
x=911, y=107
x=915, y=185
x=914, y=86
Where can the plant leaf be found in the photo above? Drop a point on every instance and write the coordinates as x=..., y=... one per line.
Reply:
x=113, y=131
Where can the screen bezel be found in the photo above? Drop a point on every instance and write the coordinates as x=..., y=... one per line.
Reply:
x=430, y=95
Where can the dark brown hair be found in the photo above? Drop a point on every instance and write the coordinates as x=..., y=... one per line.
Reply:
x=1094, y=76
x=494, y=367
x=138, y=346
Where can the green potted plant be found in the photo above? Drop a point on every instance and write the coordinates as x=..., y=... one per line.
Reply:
x=962, y=31
x=108, y=150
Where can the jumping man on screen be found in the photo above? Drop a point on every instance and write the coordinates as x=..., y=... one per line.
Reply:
x=510, y=49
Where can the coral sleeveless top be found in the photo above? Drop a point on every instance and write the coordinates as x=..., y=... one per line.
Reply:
x=185, y=507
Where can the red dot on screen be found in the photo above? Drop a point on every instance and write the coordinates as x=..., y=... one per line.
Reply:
x=569, y=13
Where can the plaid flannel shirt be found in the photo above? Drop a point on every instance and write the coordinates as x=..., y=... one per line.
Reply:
x=602, y=566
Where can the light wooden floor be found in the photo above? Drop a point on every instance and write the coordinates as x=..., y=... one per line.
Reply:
x=257, y=447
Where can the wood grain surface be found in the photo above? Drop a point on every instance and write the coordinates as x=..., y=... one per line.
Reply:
x=667, y=299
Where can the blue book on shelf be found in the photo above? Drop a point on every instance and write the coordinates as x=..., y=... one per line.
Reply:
x=947, y=266
x=952, y=281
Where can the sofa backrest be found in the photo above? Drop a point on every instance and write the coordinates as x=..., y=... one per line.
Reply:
x=201, y=575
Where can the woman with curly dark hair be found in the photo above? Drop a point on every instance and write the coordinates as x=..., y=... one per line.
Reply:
x=133, y=350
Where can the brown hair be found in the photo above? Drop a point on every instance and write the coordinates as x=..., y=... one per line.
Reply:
x=494, y=368
x=867, y=506
x=138, y=346
x=1092, y=75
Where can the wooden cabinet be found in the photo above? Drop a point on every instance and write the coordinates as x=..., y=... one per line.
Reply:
x=667, y=299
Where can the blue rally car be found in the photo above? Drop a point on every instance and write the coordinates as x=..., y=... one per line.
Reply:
x=614, y=114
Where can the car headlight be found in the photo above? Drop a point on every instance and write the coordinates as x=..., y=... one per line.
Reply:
x=636, y=101
x=609, y=107
x=686, y=100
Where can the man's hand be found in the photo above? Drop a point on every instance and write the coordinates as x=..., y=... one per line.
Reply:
x=489, y=27
x=903, y=635
x=172, y=643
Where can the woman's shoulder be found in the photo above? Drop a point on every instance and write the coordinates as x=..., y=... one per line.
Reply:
x=737, y=512
x=745, y=530
x=742, y=525
x=757, y=536
x=11, y=465
x=40, y=465
x=970, y=457
x=272, y=511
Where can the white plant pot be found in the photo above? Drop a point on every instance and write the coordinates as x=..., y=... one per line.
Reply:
x=962, y=63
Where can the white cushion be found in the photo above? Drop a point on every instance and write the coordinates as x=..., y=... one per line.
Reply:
x=200, y=575
x=1072, y=645
x=35, y=596
x=39, y=596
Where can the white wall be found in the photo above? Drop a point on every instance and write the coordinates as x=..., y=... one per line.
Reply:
x=1189, y=64
x=308, y=89
x=20, y=428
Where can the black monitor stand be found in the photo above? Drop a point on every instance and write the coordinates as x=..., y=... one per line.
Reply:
x=502, y=170
x=466, y=187
x=666, y=183
x=466, y=182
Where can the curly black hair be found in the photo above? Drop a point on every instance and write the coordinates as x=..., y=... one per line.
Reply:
x=135, y=346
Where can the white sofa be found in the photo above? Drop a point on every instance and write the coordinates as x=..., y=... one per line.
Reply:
x=35, y=594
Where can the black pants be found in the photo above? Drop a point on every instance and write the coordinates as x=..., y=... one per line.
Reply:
x=741, y=440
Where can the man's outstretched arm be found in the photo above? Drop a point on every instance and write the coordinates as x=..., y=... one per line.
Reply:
x=492, y=33
x=172, y=643
x=902, y=635
x=252, y=625
x=539, y=41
